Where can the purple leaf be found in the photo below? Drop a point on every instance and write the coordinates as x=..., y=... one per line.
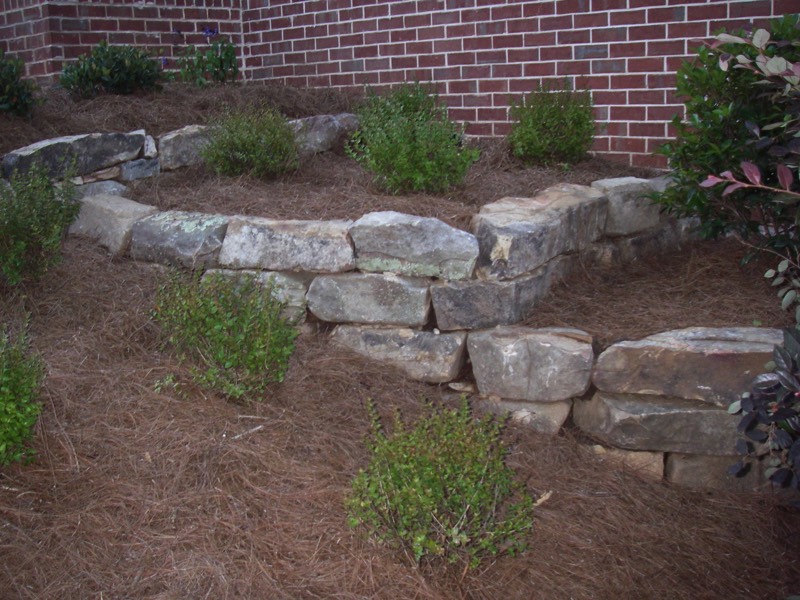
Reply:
x=711, y=181
x=785, y=177
x=752, y=172
x=732, y=188
x=727, y=175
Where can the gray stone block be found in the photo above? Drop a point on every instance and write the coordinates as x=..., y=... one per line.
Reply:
x=191, y=240
x=182, y=147
x=109, y=220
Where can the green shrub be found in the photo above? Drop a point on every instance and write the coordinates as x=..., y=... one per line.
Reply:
x=20, y=377
x=113, y=70
x=406, y=140
x=726, y=111
x=441, y=489
x=34, y=217
x=217, y=63
x=230, y=329
x=16, y=94
x=259, y=143
x=552, y=126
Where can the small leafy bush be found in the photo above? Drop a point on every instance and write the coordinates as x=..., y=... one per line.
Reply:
x=113, y=70
x=441, y=489
x=16, y=94
x=34, y=217
x=20, y=377
x=733, y=116
x=230, y=330
x=260, y=143
x=406, y=140
x=771, y=417
x=217, y=63
x=552, y=126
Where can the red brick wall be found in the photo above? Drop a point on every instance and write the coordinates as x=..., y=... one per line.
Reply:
x=72, y=27
x=480, y=53
x=483, y=53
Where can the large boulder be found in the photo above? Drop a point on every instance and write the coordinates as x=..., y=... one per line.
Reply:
x=700, y=363
x=84, y=153
x=519, y=235
x=630, y=209
x=370, y=298
x=109, y=220
x=322, y=133
x=538, y=365
x=657, y=423
x=186, y=239
x=422, y=355
x=393, y=242
x=259, y=243
x=182, y=147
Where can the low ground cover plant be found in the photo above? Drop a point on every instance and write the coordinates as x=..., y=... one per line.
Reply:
x=20, y=377
x=552, y=126
x=407, y=142
x=229, y=330
x=259, y=142
x=35, y=214
x=16, y=93
x=441, y=489
x=112, y=70
x=215, y=63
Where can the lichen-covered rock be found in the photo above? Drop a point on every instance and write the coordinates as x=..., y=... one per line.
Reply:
x=112, y=188
x=422, y=355
x=182, y=147
x=538, y=365
x=519, y=235
x=187, y=239
x=701, y=363
x=392, y=242
x=316, y=246
x=370, y=298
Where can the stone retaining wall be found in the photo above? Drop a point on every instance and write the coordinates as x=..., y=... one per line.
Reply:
x=443, y=304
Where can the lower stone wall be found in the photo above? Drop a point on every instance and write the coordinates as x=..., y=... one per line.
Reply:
x=442, y=304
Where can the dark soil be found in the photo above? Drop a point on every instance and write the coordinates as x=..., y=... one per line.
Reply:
x=141, y=490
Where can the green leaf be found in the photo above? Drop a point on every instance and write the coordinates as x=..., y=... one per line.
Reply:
x=790, y=297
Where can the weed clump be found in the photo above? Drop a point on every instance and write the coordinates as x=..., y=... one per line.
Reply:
x=441, y=489
x=552, y=126
x=113, y=70
x=259, y=143
x=230, y=329
x=406, y=140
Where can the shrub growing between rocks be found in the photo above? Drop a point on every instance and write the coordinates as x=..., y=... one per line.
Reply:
x=406, y=140
x=20, y=377
x=260, y=143
x=552, y=126
x=16, y=94
x=229, y=329
x=34, y=217
x=441, y=489
x=113, y=70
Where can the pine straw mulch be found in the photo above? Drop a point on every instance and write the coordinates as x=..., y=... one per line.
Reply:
x=137, y=493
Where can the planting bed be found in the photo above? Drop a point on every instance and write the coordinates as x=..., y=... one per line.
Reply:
x=147, y=490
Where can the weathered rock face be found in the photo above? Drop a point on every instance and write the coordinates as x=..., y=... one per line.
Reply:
x=318, y=246
x=288, y=288
x=422, y=355
x=647, y=464
x=622, y=250
x=322, y=133
x=88, y=153
x=476, y=304
x=393, y=242
x=112, y=188
x=657, y=423
x=191, y=240
x=518, y=235
x=139, y=169
x=109, y=220
x=712, y=365
x=539, y=365
x=629, y=209
x=370, y=298
x=543, y=417
x=182, y=147
x=710, y=472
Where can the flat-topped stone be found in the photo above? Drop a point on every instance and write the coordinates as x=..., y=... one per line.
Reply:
x=542, y=417
x=701, y=363
x=259, y=243
x=394, y=242
x=187, y=239
x=539, y=365
x=630, y=209
x=518, y=235
x=182, y=147
x=109, y=220
x=84, y=153
x=370, y=298
x=422, y=355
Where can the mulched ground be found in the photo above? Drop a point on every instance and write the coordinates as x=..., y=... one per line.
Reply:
x=142, y=490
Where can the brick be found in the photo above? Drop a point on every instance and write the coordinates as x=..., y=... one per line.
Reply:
x=556, y=53
x=590, y=20
x=475, y=15
x=648, y=130
x=608, y=66
x=542, y=69
x=572, y=6
x=628, y=113
x=490, y=57
x=508, y=41
x=628, y=145
x=609, y=98
x=476, y=71
x=592, y=51
x=506, y=13
x=404, y=62
x=446, y=46
x=661, y=80
x=635, y=49
x=668, y=48
x=534, y=40
x=492, y=114
x=522, y=55
x=598, y=5
x=509, y=71
x=403, y=35
x=432, y=60
x=707, y=12
x=663, y=113
x=573, y=67
x=491, y=28
x=629, y=17
x=493, y=85
x=462, y=87
x=651, y=161
x=522, y=25
x=687, y=30
x=555, y=23
x=645, y=65
x=759, y=8
x=538, y=9
x=610, y=34
x=574, y=37
x=674, y=14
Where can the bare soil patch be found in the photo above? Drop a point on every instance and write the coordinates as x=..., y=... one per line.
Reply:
x=146, y=491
